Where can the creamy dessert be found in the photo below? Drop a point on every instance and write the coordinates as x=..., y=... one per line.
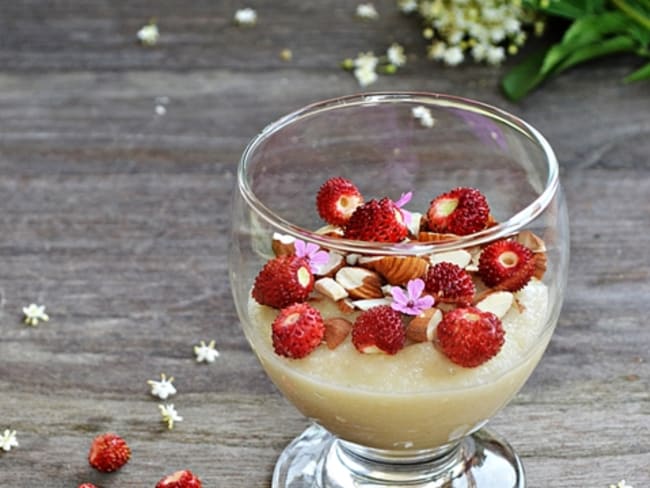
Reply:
x=400, y=352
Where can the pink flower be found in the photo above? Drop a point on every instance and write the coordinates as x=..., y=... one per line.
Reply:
x=403, y=200
x=312, y=253
x=412, y=302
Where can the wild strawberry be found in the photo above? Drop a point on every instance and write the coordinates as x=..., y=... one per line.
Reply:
x=461, y=211
x=282, y=281
x=379, y=329
x=180, y=479
x=87, y=485
x=507, y=265
x=469, y=337
x=108, y=452
x=337, y=199
x=449, y=283
x=297, y=330
x=378, y=221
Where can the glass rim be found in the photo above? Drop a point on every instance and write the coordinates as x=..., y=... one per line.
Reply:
x=511, y=226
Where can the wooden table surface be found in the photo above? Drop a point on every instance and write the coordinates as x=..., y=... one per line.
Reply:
x=116, y=218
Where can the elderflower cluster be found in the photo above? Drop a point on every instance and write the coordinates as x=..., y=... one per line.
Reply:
x=485, y=30
x=366, y=65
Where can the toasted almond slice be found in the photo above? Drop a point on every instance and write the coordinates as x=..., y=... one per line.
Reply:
x=460, y=258
x=330, y=288
x=283, y=245
x=335, y=261
x=540, y=265
x=423, y=327
x=498, y=303
x=397, y=270
x=425, y=236
x=367, y=304
x=360, y=282
x=531, y=241
x=330, y=231
x=336, y=330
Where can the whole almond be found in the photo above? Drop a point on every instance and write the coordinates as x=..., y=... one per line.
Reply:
x=425, y=236
x=397, y=270
x=422, y=327
x=336, y=330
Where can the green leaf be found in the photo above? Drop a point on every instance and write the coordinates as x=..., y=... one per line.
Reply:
x=570, y=9
x=642, y=73
x=608, y=46
x=524, y=77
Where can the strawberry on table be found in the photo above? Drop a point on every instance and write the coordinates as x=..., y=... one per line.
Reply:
x=282, y=281
x=108, y=452
x=506, y=265
x=469, y=337
x=180, y=479
x=297, y=330
x=461, y=211
x=377, y=221
x=337, y=200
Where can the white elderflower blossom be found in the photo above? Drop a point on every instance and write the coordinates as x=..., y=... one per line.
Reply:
x=367, y=11
x=485, y=29
x=395, y=55
x=408, y=6
x=163, y=388
x=149, y=34
x=423, y=114
x=8, y=440
x=246, y=17
x=621, y=484
x=206, y=353
x=365, y=77
x=169, y=415
x=35, y=314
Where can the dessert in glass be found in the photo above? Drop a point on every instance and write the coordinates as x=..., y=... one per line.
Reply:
x=398, y=262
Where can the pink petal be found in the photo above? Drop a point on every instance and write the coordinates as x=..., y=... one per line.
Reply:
x=424, y=302
x=415, y=288
x=311, y=248
x=399, y=296
x=300, y=247
x=404, y=199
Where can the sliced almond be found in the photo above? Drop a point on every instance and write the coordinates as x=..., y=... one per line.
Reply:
x=397, y=270
x=540, y=265
x=423, y=327
x=460, y=258
x=425, y=236
x=369, y=303
x=330, y=288
x=387, y=290
x=498, y=303
x=415, y=224
x=345, y=305
x=352, y=258
x=335, y=261
x=330, y=231
x=476, y=256
x=336, y=330
x=283, y=245
x=531, y=241
x=360, y=282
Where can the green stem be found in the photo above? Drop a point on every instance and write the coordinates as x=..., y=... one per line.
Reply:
x=632, y=13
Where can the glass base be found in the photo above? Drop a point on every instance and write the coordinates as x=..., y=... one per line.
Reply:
x=318, y=459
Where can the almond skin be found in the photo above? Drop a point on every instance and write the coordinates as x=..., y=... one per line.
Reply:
x=422, y=328
x=283, y=245
x=397, y=270
x=336, y=330
x=360, y=282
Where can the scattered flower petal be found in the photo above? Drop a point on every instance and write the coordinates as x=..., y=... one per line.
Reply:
x=169, y=415
x=312, y=253
x=395, y=55
x=403, y=200
x=424, y=115
x=149, y=34
x=412, y=302
x=163, y=388
x=367, y=11
x=246, y=17
x=206, y=353
x=35, y=313
x=8, y=440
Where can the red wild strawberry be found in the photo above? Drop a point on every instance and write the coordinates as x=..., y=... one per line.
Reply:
x=282, y=281
x=377, y=221
x=461, y=211
x=506, y=265
x=378, y=330
x=297, y=330
x=469, y=337
x=449, y=283
x=337, y=200
x=180, y=479
x=108, y=452
x=87, y=485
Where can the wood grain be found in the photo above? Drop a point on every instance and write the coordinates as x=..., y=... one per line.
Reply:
x=117, y=219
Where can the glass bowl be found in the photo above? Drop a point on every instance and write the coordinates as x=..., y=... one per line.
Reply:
x=415, y=417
